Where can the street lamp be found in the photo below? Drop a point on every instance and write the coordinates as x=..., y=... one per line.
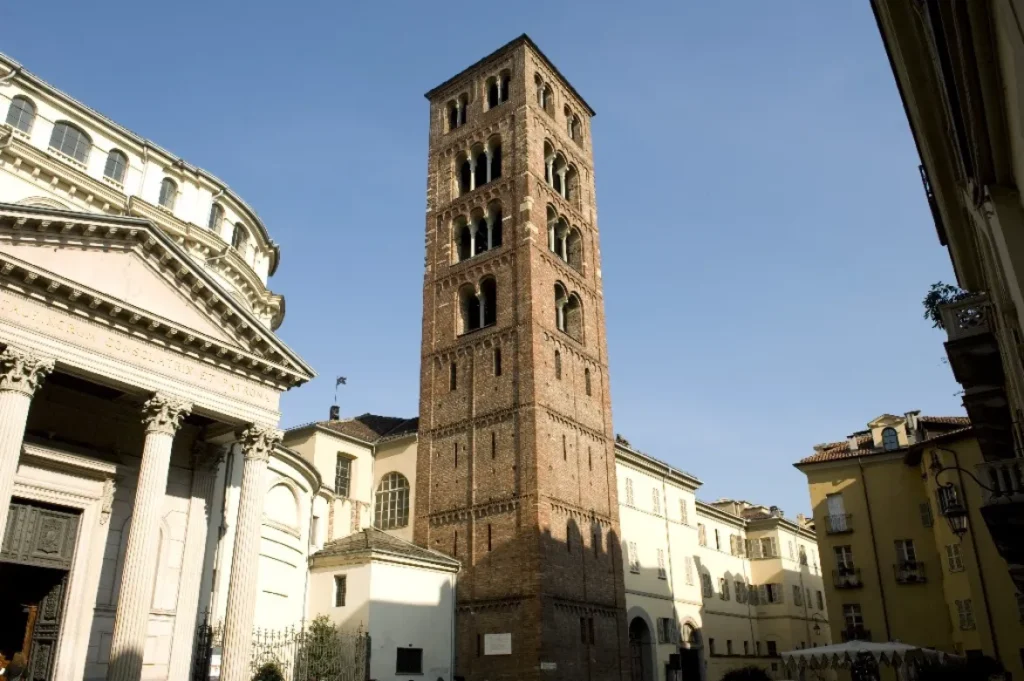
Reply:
x=817, y=619
x=952, y=508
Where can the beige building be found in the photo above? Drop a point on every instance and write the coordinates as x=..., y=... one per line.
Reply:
x=712, y=586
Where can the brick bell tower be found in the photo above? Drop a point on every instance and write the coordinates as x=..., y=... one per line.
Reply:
x=516, y=466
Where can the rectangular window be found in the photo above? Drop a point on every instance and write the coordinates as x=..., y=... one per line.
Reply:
x=662, y=573
x=852, y=617
x=728, y=646
x=497, y=361
x=629, y=492
x=634, y=558
x=453, y=377
x=965, y=610
x=706, y=586
x=711, y=646
x=792, y=556
x=587, y=630
x=718, y=541
x=773, y=650
x=798, y=596
x=489, y=535
x=773, y=593
x=954, y=558
x=656, y=501
x=342, y=475
x=683, y=515
x=926, y=514
x=702, y=534
x=754, y=548
x=769, y=547
x=723, y=589
x=803, y=555
x=494, y=444
x=905, y=553
x=741, y=592
x=409, y=661
x=746, y=647
x=340, y=588
x=844, y=558
x=821, y=600
x=666, y=630
x=757, y=648
x=688, y=564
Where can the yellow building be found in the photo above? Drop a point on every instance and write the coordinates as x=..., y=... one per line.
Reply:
x=959, y=68
x=895, y=569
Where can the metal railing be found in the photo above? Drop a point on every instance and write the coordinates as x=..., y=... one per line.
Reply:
x=847, y=578
x=910, y=572
x=312, y=651
x=968, y=317
x=1005, y=479
x=838, y=523
x=855, y=634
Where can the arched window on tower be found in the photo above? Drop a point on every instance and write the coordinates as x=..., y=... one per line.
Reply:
x=469, y=307
x=547, y=99
x=494, y=222
x=505, y=78
x=168, y=193
x=574, y=249
x=116, y=166
x=489, y=301
x=464, y=241
x=570, y=185
x=568, y=313
x=890, y=440
x=457, y=111
x=494, y=169
x=464, y=167
x=22, y=114
x=481, y=166
x=392, y=502
x=558, y=177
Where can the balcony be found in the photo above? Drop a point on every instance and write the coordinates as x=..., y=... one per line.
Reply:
x=838, y=523
x=972, y=346
x=847, y=578
x=1003, y=506
x=989, y=411
x=910, y=573
x=855, y=634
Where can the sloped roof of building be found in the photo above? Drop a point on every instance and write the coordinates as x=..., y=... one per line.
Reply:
x=836, y=451
x=372, y=541
x=370, y=428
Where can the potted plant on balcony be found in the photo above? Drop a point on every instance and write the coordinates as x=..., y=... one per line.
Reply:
x=938, y=295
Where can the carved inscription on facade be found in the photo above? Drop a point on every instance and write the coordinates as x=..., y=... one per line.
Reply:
x=85, y=334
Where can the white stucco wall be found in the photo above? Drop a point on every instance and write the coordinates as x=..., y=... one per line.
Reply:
x=411, y=608
x=356, y=611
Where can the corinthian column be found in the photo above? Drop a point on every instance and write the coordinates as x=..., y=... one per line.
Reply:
x=20, y=375
x=162, y=416
x=257, y=443
x=204, y=473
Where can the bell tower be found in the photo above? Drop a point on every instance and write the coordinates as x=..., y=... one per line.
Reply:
x=516, y=466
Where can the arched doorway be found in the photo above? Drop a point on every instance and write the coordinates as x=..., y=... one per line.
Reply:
x=690, y=660
x=640, y=651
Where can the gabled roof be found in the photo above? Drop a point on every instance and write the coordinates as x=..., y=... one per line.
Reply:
x=836, y=451
x=371, y=428
x=371, y=543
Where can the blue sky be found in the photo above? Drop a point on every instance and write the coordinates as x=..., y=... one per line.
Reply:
x=765, y=238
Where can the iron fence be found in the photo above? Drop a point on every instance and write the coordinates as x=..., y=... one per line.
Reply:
x=312, y=651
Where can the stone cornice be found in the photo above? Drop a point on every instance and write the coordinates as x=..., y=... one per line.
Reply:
x=478, y=421
x=262, y=356
x=102, y=196
x=468, y=344
x=475, y=271
x=478, y=198
x=490, y=605
x=572, y=510
x=648, y=464
x=476, y=511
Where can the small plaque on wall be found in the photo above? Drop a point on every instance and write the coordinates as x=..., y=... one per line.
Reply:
x=497, y=644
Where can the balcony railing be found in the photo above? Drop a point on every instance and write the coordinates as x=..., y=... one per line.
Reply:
x=969, y=317
x=855, y=634
x=910, y=573
x=1005, y=478
x=847, y=578
x=838, y=523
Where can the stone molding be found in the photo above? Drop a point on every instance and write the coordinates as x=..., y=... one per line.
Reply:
x=21, y=371
x=163, y=413
x=258, y=442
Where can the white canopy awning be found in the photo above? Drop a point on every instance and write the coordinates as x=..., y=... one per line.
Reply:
x=844, y=654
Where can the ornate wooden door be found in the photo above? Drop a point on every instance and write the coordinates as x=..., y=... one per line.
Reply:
x=45, y=633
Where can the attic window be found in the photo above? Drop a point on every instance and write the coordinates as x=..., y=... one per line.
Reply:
x=890, y=440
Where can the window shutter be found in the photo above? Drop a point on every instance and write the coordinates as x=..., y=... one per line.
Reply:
x=775, y=547
x=762, y=592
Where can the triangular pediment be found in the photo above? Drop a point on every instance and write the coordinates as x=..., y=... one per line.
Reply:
x=129, y=270
x=123, y=275
x=885, y=420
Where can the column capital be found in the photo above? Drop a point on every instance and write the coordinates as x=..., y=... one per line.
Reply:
x=207, y=456
x=21, y=371
x=163, y=413
x=258, y=442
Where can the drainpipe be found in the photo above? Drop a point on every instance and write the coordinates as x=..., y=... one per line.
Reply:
x=977, y=560
x=309, y=544
x=874, y=548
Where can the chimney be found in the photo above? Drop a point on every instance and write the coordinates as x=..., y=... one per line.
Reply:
x=335, y=412
x=775, y=511
x=853, y=442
